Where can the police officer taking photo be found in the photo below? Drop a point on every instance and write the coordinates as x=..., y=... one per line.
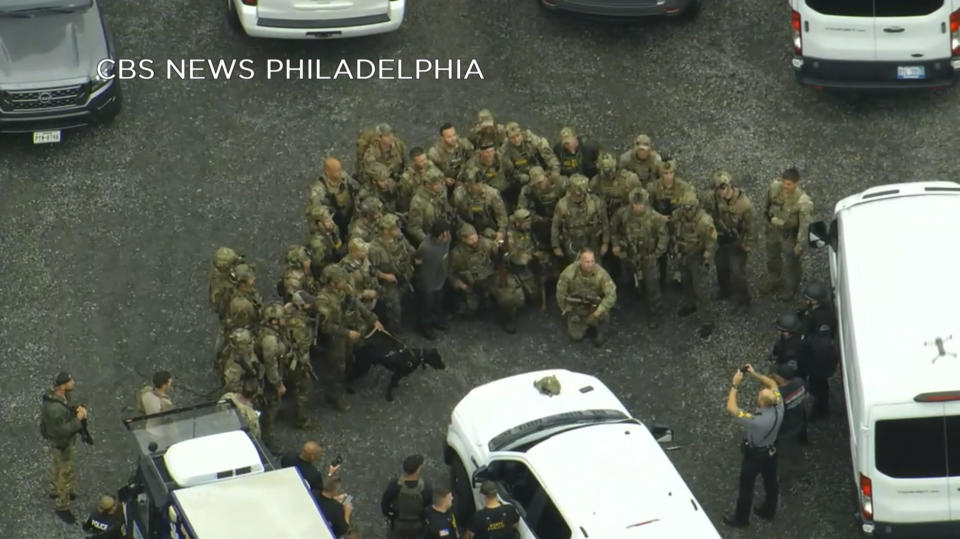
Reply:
x=759, y=453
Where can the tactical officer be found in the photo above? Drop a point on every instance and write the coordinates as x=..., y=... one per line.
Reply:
x=487, y=167
x=106, y=522
x=486, y=128
x=450, y=153
x=382, y=187
x=414, y=177
x=523, y=150
x=224, y=261
x=405, y=499
x=473, y=275
x=667, y=190
x=244, y=400
x=759, y=452
x=326, y=246
x=274, y=350
x=541, y=196
x=579, y=222
x=612, y=185
x=481, y=205
x=429, y=206
x=788, y=212
x=298, y=370
x=60, y=424
x=789, y=345
x=337, y=190
x=389, y=151
x=391, y=256
x=819, y=321
x=642, y=160
x=639, y=237
x=363, y=278
x=297, y=275
x=496, y=520
x=243, y=306
x=241, y=363
x=364, y=224
x=439, y=520
x=695, y=242
x=733, y=216
x=526, y=257
x=576, y=155
x=585, y=296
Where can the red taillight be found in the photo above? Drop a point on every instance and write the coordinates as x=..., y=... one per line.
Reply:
x=866, y=498
x=955, y=33
x=942, y=396
x=249, y=2
x=796, y=38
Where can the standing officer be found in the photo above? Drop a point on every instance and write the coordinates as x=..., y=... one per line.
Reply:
x=428, y=207
x=389, y=150
x=391, y=256
x=496, y=520
x=527, y=257
x=450, y=153
x=273, y=349
x=639, y=237
x=696, y=243
x=241, y=363
x=576, y=155
x=297, y=275
x=60, y=424
x=480, y=205
x=414, y=177
x=819, y=321
x=789, y=345
x=473, y=275
x=363, y=277
x=326, y=246
x=405, y=499
x=788, y=214
x=579, y=222
x=337, y=190
x=524, y=150
x=585, y=296
x=612, y=185
x=642, y=160
x=733, y=216
x=243, y=306
x=364, y=224
x=759, y=453
x=439, y=520
x=298, y=370
x=220, y=284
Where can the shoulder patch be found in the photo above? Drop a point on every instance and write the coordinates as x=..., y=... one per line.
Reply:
x=744, y=415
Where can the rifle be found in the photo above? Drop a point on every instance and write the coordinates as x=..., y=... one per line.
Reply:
x=503, y=252
x=84, y=431
x=591, y=302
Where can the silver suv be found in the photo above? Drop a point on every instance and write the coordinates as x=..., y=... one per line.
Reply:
x=50, y=51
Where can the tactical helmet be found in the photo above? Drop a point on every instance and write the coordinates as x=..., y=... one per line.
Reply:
x=384, y=129
x=642, y=142
x=296, y=255
x=273, y=311
x=334, y=273
x=606, y=162
x=536, y=174
x=522, y=214
x=389, y=222
x=578, y=184
x=433, y=175
x=241, y=337
x=548, y=385
x=689, y=200
x=371, y=206
x=721, y=178
x=320, y=213
x=513, y=128
x=358, y=245
x=467, y=230
x=225, y=257
x=788, y=322
x=667, y=165
x=378, y=171
x=243, y=272
x=567, y=133
x=484, y=116
x=639, y=196
x=816, y=292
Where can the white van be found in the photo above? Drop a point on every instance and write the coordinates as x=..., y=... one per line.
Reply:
x=894, y=265
x=875, y=44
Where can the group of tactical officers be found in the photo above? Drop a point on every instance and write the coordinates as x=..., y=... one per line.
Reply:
x=522, y=214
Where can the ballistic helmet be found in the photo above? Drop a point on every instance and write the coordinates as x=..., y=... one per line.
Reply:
x=639, y=196
x=389, y=222
x=225, y=257
x=241, y=337
x=371, y=206
x=788, y=322
x=721, y=178
x=243, y=273
x=273, y=311
x=467, y=230
x=689, y=200
x=296, y=255
x=816, y=292
x=606, y=163
x=578, y=184
x=522, y=214
x=642, y=142
x=548, y=385
x=334, y=273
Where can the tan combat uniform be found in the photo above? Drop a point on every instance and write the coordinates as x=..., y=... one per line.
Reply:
x=361, y=276
x=394, y=157
x=274, y=351
x=614, y=188
x=696, y=243
x=339, y=313
x=338, y=195
x=395, y=257
x=541, y=199
x=793, y=215
x=641, y=239
x=736, y=236
x=451, y=161
x=427, y=208
x=242, y=310
x=580, y=294
x=489, y=174
x=579, y=225
x=528, y=257
x=532, y=151
x=239, y=365
x=410, y=181
x=484, y=209
x=646, y=170
x=475, y=266
x=298, y=372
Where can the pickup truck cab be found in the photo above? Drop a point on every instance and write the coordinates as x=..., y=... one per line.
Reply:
x=575, y=464
x=201, y=476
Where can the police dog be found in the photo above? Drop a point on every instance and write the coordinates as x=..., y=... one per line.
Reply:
x=399, y=360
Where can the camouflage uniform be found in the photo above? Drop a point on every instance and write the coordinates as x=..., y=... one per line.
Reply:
x=339, y=311
x=298, y=275
x=474, y=266
x=481, y=206
x=527, y=256
x=486, y=128
x=695, y=242
x=220, y=284
x=410, y=181
x=530, y=151
x=393, y=256
x=325, y=245
x=451, y=161
x=381, y=187
x=787, y=219
x=240, y=362
x=337, y=195
x=246, y=411
x=274, y=350
x=491, y=174
x=583, y=160
x=61, y=426
x=394, y=156
x=612, y=185
x=298, y=370
x=579, y=224
x=639, y=236
x=580, y=294
x=663, y=197
x=645, y=169
x=540, y=196
x=360, y=273
x=364, y=224
x=427, y=208
x=241, y=308
x=736, y=234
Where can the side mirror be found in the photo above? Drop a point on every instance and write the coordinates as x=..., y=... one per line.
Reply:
x=480, y=475
x=818, y=235
x=662, y=433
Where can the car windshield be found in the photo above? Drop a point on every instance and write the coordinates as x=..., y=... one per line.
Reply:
x=29, y=7
x=167, y=428
x=532, y=432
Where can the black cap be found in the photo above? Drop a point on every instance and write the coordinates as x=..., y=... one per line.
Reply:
x=486, y=144
x=61, y=378
x=412, y=463
x=788, y=369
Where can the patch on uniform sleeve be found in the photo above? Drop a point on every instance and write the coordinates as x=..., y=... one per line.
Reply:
x=443, y=533
x=744, y=415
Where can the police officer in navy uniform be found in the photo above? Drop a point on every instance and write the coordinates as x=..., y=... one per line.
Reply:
x=496, y=520
x=106, y=522
x=759, y=453
x=819, y=323
x=438, y=519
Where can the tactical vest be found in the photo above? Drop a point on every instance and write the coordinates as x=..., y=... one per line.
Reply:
x=283, y=349
x=616, y=191
x=727, y=219
x=396, y=258
x=640, y=234
x=409, y=505
x=582, y=221
x=521, y=243
x=523, y=158
x=476, y=262
x=340, y=199
x=646, y=170
x=452, y=161
x=786, y=207
x=583, y=286
x=688, y=236
x=544, y=201
x=477, y=209
x=492, y=174
x=666, y=199
x=570, y=162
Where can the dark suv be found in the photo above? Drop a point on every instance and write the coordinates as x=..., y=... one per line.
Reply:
x=50, y=52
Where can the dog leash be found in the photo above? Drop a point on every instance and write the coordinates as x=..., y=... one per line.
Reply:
x=388, y=334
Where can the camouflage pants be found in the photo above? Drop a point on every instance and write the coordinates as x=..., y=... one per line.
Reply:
x=270, y=407
x=300, y=384
x=334, y=375
x=648, y=271
x=62, y=475
x=783, y=266
x=529, y=282
x=732, y=272
x=506, y=298
x=696, y=285
x=391, y=306
x=579, y=320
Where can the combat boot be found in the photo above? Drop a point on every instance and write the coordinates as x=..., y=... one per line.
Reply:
x=338, y=403
x=599, y=338
x=686, y=310
x=507, y=320
x=770, y=287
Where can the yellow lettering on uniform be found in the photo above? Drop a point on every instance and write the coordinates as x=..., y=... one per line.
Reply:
x=519, y=162
x=476, y=209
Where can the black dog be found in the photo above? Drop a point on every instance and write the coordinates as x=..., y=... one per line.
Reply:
x=400, y=361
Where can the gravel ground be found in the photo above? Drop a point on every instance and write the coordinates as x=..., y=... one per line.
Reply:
x=105, y=238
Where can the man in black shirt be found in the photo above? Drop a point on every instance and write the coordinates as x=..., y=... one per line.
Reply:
x=439, y=519
x=336, y=508
x=495, y=520
x=576, y=155
x=304, y=460
x=404, y=500
x=106, y=522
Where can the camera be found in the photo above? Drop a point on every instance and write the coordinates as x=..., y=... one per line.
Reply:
x=337, y=461
x=745, y=369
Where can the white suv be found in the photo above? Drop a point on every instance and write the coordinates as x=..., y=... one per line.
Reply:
x=316, y=19
x=876, y=44
x=575, y=464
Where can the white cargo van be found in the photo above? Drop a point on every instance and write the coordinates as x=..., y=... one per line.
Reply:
x=880, y=44
x=895, y=270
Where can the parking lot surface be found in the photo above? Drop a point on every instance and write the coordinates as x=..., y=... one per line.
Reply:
x=105, y=238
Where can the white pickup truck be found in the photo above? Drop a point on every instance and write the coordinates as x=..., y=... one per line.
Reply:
x=576, y=464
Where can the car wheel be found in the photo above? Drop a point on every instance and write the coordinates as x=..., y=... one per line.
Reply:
x=108, y=115
x=232, y=18
x=463, y=505
x=693, y=8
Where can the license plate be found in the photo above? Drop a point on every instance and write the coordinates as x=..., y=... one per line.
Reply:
x=46, y=137
x=910, y=72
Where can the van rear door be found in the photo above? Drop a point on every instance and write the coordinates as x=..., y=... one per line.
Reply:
x=838, y=30
x=953, y=457
x=910, y=482
x=912, y=31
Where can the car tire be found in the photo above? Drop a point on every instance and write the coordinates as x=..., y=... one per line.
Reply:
x=232, y=18
x=108, y=115
x=463, y=503
x=692, y=10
